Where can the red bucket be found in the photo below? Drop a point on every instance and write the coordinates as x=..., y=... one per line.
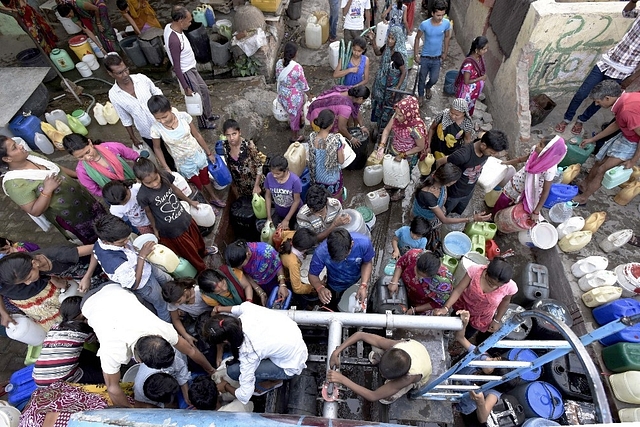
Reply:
x=513, y=219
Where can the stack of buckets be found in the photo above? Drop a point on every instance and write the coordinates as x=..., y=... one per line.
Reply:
x=83, y=50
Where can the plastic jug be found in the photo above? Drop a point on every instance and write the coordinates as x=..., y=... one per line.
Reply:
x=43, y=143
x=56, y=115
x=164, y=257
x=425, y=164
x=491, y=249
x=21, y=386
x=576, y=154
x=533, y=284
x=84, y=69
x=570, y=173
x=209, y=15
x=185, y=269
x=25, y=126
x=313, y=34
x=96, y=50
x=486, y=229
x=615, y=240
x=334, y=54
x=278, y=238
x=616, y=176
x=594, y=221
x=194, y=104
x=381, y=34
x=629, y=415
x=573, y=224
x=492, y=196
x=63, y=128
x=560, y=193
x=450, y=263
x=98, y=114
x=82, y=116
x=91, y=61
x=626, y=386
x=575, y=241
x=372, y=175
x=601, y=295
x=110, y=113
x=266, y=235
x=276, y=303
x=390, y=268
x=627, y=194
x=596, y=279
x=199, y=16
x=296, y=155
x=622, y=357
x=26, y=330
x=395, y=174
x=61, y=60
x=493, y=173
x=259, y=206
x=635, y=176
x=203, y=215
x=76, y=126
x=478, y=243
x=53, y=134
x=323, y=20
x=624, y=307
x=378, y=201
x=561, y=212
x=219, y=171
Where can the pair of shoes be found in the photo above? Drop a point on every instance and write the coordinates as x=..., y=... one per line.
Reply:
x=218, y=203
x=428, y=94
x=259, y=390
x=577, y=129
x=561, y=127
x=332, y=39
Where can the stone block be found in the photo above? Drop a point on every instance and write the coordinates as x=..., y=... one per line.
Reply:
x=478, y=114
x=486, y=127
x=486, y=117
x=480, y=106
x=261, y=100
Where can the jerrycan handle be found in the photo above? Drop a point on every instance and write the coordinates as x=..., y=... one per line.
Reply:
x=572, y=204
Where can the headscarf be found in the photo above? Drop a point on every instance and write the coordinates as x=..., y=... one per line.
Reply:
x=537, y=164
x=411, y=111
x=458, y=104
x=400, y=46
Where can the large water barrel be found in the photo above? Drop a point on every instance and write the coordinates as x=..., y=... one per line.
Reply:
x=199, y=39
x=34, y=58
x=153, y=49
x=131, y=47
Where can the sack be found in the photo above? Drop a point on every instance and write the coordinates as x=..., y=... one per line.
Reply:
x=220, y=172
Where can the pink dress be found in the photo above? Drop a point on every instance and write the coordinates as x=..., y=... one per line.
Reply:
x=482, y=306
x=291, y=93
x=470, y=92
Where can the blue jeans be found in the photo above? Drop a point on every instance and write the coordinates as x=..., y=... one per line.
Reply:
x=595, y=76
x=152, y=293
x=430, y=67
x=334, y=16
x=267, y=370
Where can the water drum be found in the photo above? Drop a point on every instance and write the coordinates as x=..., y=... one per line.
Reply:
x=540, y=399
x=513, y=219
x=542, y=235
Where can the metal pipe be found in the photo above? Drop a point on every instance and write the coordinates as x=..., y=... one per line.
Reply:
x=330, y=409
x=367, y=320
x=550, y=344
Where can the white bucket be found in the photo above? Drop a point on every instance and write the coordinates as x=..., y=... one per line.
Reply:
x=83, y=69
x=469, y=259
x=543, y=235
x=91, y=62
x=334, y=54
x=26, y=330
x=9, y=416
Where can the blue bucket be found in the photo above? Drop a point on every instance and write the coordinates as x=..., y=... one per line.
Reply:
x=449, y=82
x=540, y=399
x=525, y=355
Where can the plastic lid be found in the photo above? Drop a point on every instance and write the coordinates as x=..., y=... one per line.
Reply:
x=545, y=400
x=367, y=214
x=525, y=355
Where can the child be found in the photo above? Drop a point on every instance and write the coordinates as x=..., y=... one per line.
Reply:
x=203, y=393
x=244, y=160
x=405, y=364
x=183, y=295
x=185, y=144
x=63, y=357
x=283, y=189
x=158, y=356
x=158, y=389
x=397, y=12
x=357, y=71
x=410, y=237
x=531, y=184
x=122, y=197
x=171, y=223
x=123, y=265
x=9, y=247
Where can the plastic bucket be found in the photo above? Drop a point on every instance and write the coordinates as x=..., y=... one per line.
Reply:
x=513, y=219
x=35, y=58
x=131, y=47
x=83, y=69
x=80, y=46
x=294, y=9
x=220, y=53
x=449, y=82
x=456, y=244
x=543, y=235
x=540, y=399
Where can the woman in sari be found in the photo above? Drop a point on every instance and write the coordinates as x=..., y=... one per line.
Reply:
x=48, y=193
x=222, y=287
x=35, y=23
x=292, y=85
x=94, y=15
x=139, y=14
x=391, y=75
x=472, y=75
x=99, y=164
x=326, y=155
x=450, y=129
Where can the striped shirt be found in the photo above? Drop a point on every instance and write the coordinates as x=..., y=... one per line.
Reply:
x=133, y=110
x=59, y=357
x=623, y=59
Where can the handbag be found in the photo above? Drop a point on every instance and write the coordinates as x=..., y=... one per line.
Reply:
x=219, y=171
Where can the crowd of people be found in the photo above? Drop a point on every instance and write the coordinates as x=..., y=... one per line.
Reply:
x=172, y=325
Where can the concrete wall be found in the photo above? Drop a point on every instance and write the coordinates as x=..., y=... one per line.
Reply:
x=557, y=45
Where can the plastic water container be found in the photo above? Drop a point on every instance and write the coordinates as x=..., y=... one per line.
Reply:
x=279, y=113
x=449, y=263
x=164, y=257
x=523, y=355
x=456, y=244
x=334, y=54
x=626, y=386
x=357, y=224
x=624, y=307
x=313, y=35
x=491, y=249
x=276, y=304
x=80, y=46
x=561, y=212
x=21, y=386
x=243, y=220
x=267, y=231
x=478, y=244
x=91, y=61
x=629, y=415
x=26, y=330
x=61, y=60
x=571, y=225
x=616, y=176
x=540, y=399
x=219, y=171
x=96, y=50
x=539, y=422
x=575, y=241
x=98, y=114
x=570, y=173
x=513, y=219
x=259, y=206
x=83, y=69
x=9, y=416
x=43, y=143
x=567, y=375
x=542, y=235
x=368, y=216
x=466, y=261
x=56, y=115
x=449, y=82
x=194, y=104
x=493, y=173
x=305, y=180
x=372, y=175
x=381, y=34
x=296, y=155
x=622, y=357
x=575, y=154
x=596, y=279
x=560, y=193
x=395, y=174
x=203, y=215
x=382, y=300
x=615, y=240
x=486, y=229
x=72, y=291
x=184, y=269
x=601, y=295
x=131, y=46
x=378, y=201
x=361, y=151
x=425, y=164
x=26, y=127
x=76, y=126
x=533, y=284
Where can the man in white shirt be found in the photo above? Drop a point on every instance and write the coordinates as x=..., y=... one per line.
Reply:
x=356, y=13
x=129, y=96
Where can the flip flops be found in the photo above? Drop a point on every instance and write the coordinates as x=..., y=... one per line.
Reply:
x=589, y=265
x=561, y=127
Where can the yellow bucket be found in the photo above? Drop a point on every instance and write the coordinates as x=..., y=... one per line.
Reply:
x=80, y=46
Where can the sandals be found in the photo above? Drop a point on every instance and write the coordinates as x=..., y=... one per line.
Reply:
x=214, y=117
x=634, y=241
x=218, y=203
x=577, y=128
x=561, y=127
x=428, y=94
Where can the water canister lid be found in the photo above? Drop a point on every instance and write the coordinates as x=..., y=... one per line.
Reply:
x=525, y=355
x=545, y=400
x=77, y=113
x=367, y=214
x=8, y=388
